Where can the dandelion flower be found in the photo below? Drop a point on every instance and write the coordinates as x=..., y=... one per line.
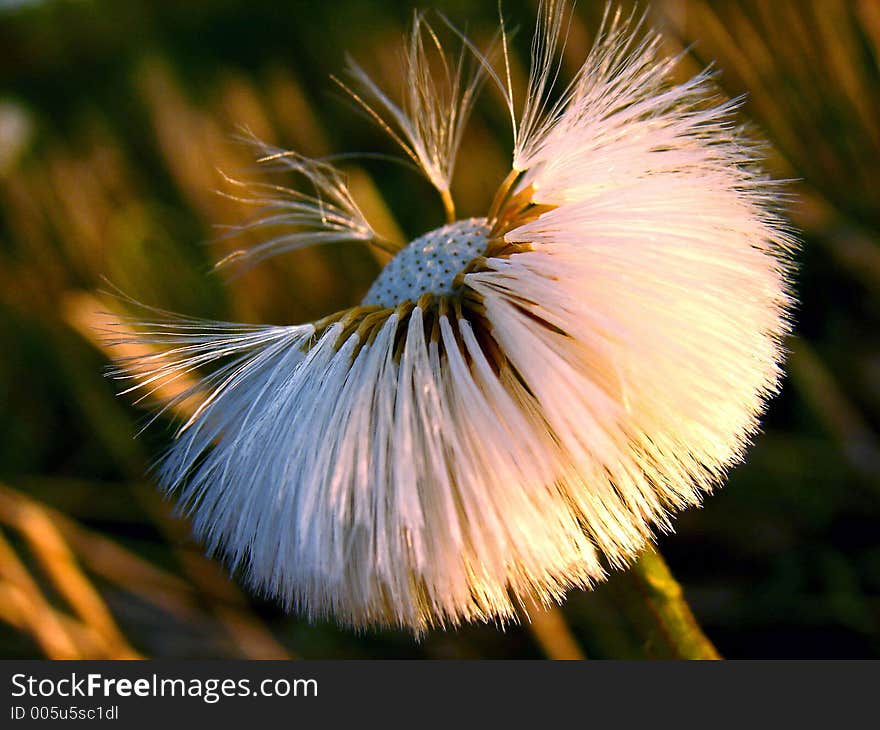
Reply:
x=521, y=400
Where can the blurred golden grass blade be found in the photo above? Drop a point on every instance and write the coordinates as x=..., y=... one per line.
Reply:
x=810, y=72
x=60, y=566
x=811, y=81
x=185, y=138
x=93, y=203
x=226, y=601
x=741, y=50
x=110, y=560
x=822, y=393
x=194, y=146
x=869, y=16
x=295, y=116
x=552, y=632
x=109, y=164
x=670, y=611
x=786, y=51
x=80, y=211
x=838, y=26
x=29, y=230
x=33, y=610
x=78, y=193
x=15, y=610
x=241, y=106
x=253, y=639
x=71, y=213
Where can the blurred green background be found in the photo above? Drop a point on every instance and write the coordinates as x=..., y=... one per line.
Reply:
x=115, y=116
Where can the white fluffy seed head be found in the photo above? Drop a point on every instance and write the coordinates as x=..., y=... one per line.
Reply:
x=603, y=366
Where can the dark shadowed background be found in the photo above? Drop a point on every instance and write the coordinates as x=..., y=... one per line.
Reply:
x=115, y=116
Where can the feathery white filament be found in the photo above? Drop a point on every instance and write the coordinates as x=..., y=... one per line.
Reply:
x=302, y=219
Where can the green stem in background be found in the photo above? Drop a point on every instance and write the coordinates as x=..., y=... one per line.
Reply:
x=668, y=608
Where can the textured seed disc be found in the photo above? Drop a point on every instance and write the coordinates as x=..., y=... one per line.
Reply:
x=430, y=263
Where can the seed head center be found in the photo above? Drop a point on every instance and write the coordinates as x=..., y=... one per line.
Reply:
x=430, y=263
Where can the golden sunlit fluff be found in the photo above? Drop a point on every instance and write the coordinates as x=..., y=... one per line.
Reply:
x=521, y=399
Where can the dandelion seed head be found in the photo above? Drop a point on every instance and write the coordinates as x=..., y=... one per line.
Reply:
x=595, y=354
x=430, y=263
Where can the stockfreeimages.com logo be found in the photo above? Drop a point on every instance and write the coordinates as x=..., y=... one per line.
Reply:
x=208, y=690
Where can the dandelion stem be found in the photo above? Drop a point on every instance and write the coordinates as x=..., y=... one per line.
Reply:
x=670, y=609
x=448, y=205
